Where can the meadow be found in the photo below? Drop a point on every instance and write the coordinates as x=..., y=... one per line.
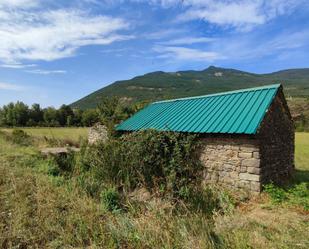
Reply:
x=67, y=133
x=302, y=150
x=40, y=208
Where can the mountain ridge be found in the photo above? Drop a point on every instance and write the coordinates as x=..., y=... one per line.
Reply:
x=160, y=85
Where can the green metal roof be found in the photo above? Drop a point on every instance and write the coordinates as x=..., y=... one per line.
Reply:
x=234, y=112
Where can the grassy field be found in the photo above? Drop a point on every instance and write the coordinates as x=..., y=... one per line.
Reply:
x=41, y=210
x=302, y=151
x=57, y=133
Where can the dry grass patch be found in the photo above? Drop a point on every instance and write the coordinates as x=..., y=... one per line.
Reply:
x=258, y=224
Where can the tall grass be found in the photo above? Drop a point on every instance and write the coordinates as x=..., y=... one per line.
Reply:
x=72, y=209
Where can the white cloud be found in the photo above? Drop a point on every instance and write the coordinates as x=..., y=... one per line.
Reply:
x=19, y=3
x=50, y=35
x=17, y=65
x=164, y=33
x=45, y=72
x=240, y=14
x=253, y=46
x=188, y=54
x=188, y=40
x=9, y=86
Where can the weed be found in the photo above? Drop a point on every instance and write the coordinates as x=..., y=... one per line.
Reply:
x=20, y=137
x=110, y=199
x=277, y=194
x=296, y=195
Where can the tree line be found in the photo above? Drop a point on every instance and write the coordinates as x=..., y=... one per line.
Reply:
x=109, y=111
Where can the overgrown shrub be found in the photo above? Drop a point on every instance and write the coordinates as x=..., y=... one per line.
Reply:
x=163, y=162
x=20, y=137
x=297, y=194
x=61, y=164
x=276, y=193
x=110, y=199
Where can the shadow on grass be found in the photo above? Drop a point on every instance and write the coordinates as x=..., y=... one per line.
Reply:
x=301, y=176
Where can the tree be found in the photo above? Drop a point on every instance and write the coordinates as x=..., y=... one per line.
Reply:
x=8, y=114
x=15, y=114
x=78, y=115
x=2, y=117
x=64, y=112
x=50, y=116
x=36, y=114
x=90, y=117
x=21, y=113
x=114, y=110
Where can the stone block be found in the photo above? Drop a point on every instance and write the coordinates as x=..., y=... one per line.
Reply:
x=245, y=154
x=243, y=184
x=255, y=186
x=234, y=147
x=223, y=174
x=243, y=169
x=227, y=180
x=254, y=170
x=248, y=148
x=214, y=177
x=227, y=167
x=234, y=175
x=249, y=177
x=256, y=154
x=207, y=176
x=252, y=162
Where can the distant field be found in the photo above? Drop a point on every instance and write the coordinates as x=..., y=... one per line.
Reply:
x=302, y=150
x=58, y=133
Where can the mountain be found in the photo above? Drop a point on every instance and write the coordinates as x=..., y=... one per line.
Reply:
x=166, y=85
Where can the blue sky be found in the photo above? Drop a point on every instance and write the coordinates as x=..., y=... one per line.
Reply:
x=54, y=52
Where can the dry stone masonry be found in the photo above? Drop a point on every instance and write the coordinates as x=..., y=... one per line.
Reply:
x=250, y=161
x=97, y=133
x=232, y=162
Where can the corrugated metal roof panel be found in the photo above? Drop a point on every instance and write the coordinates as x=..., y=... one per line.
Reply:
x=239, y=112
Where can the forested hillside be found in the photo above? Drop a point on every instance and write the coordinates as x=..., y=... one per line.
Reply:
x=162, y=85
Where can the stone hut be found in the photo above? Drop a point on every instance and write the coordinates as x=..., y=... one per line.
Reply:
x=247, y=135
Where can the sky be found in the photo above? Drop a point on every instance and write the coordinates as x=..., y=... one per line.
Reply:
x=54, y=52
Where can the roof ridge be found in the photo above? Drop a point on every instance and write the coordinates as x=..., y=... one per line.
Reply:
x=222, y=93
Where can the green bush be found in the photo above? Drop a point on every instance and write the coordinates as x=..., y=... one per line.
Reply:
x=53, y=168
x=277, y=194
x=163, y=162
x=110, y=199
x=297, y=194
x=20, y=137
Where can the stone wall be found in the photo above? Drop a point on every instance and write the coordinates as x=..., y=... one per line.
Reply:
x=97, y=133
x=276, y=136
x=248, y=162
x=233, y=162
